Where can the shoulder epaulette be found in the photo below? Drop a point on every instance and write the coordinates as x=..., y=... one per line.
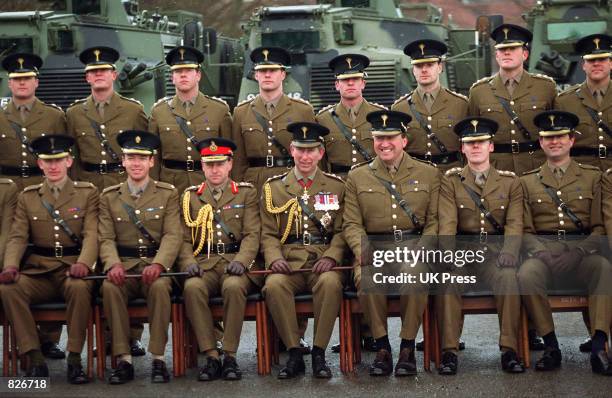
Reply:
x=217, y=99
x=544, y=77
x=608, y=171
x=454, y=171
x=56, y=107
x=112, y=188
x=165, y=185
x=426, y=162
x=532, y=171
x=161, y=101
x=6, y=181
x=570, y=90
x=245, y=184
x=83, y=184
x=483, y=80
x=191, y=188
x=246, y=101
x=458, y=95
x=379, y=105
x=277, y=177
x=400, y=99
x=32, y=187
x=588, y=166
x=303, y=101
x=79, y=101
x=327, y=108
x=333, y=176
x=506, y=173
x=130, y=99
x=356, y=165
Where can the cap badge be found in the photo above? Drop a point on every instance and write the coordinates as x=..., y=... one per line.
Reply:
x=52, y=142
x=265, y=54
x=97, y=54
x=384, y=119
x=20, y=60
x=475, y=124
x=552, y=120
x=506, y=30
x=596, y=41
x=304, y=131
x=422, y=47
x=137, y=139
x=182, y=52
x=348, y=61
x=213, y=147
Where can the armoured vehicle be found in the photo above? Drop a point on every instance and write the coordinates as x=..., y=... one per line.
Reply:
x=556, y=26
x=142, y=38
x=379, y=29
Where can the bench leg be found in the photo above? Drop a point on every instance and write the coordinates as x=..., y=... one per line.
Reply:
x=6, y=341
x=524, y=338
x=90, y=343
x=342, y=333
x=426, y=338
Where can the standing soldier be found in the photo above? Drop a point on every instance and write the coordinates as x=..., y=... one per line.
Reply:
x=96, y=121
x=372, y=207
x=512, y=98
x=480, y=200
x=140, y=233
x=8, y=201
x=434, y=109
x=562, y=198
x=260, y=124
x=27, y=118
x=217, y=259
x=185, y=119
x=591, y=101
x=349, y=141
x=59, y=218
x=301, y=217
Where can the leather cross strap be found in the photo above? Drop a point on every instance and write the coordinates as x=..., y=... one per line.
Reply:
x=430, y=134
x=224, y=227
x=186, y=131
x=566, y=210
x=311, y=216
x=264, y=126
x=61, y=222
x=354, y=143
x=22, y=137
x=138, y=223
x=514, y=117
x=476, y=199
x=107, y=147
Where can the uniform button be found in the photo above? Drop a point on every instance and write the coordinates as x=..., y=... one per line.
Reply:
x=354, y=152
x=561, y=222
x=559, y=209
x=24, y=129
x=482, y=200
x=394, y=216
x=189, y=148
x=219, y=233
x=188, y=140
x=429, y=145
x=121, y=131
x=539, y=200
x=502, y=207
x=305, y=218
x=354, y=159
x=600, y=113
x=305, y=226
x=512, y=122
x=118, y=218
x=600, y=138
x=580, y=197
x=23, y=146
x=137, y=211
x=461, y=206
x=393, y=186
x=482, y=222
x=429, y=126
x=4, y=135
x=237, y=215
x=560, y=215
x=219, y=211
x=218, y=226
x=56, y=228
x=534, y=107
x=394, y=206
x=513, y=131
x=76, y=216
x=270, y=129
x=488, y=109
x=353, y=131
x=511, y=102
x=140, y=241
x=416, y=189
x=188, y=157
x=207, y=128
x=167, y=128
x=428, y=117
x=558, y=192
x=103, y=153
x=188, y=123
x=481, y=215
x=269, y=121
x=157, y=216
x=353, y=138
x=600, y=130
x=56, y=212
x=102, y=126
x=56, y=236
x=34, y=218
x=269, y=151
x=24, y=154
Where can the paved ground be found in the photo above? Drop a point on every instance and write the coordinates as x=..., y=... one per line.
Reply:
x=479, y=374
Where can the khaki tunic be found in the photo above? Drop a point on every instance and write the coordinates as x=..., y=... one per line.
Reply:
x=8, y=202
x=448, y=108
x=503, y=196
x=534, y=94
x=326, y=288
x=576, y=100
x=580, y=189
x=43, y=279
x=340, y=155
x=369, y=209
x=42, y=119
x=606, y=202
x=209, y=117
x=253, y=142
x=120, y=114
x=238, y=209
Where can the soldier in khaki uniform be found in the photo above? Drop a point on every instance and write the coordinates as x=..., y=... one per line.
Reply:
x=95, y=122
x=185, y=119
x=217, y=258
x=59, y=218
x=562, y=198
x=434, y=109
x=26, y=118
x=308, y=236
x=349, y=141
x=140, y=233
x=512, y=97
x=8, y=201
x=260, y=124
x=370, y=209
x=480, y=200
x=591, y=101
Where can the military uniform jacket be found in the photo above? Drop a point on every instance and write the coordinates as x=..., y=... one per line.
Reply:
x=77, y=204
x=121, y=114
x=286, y=187
x=8, y=202
x=253, y=142
x=580, y=189
x=338, y=150
x=238, y=208
x=369, y=208
x=448, y=109
x=157, y=209
x=576, y=99
x=606, y=201
x=43, y=118
x=209, y=117
x=502, y=196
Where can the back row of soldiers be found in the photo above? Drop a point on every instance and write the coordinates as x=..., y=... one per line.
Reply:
x=185, y=122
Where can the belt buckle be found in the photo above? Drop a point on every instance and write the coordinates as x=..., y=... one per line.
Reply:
x=269, y=161
x=514, y=147
x=398, y=235
x=428, y=156
x=306, y=238
x=25, y=171
x=220, y=247
x=103, y=168
x=190, y=165
x=142, y=252
x=603, y=151
x=561, y=234
x=483, y=236
x=59, y=250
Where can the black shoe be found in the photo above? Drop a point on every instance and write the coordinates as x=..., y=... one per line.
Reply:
x=406, y=363
x=600, y=363
x=535, y=342
x=369, y=344
x=304, y=347
x=211, y=371
x=510, y=363
x=76, y=375
x=38, y=371
x=52, y=351
x=421, y=344
x=136, y=348
x=320, y=370
x=231, y=371
x=335, y=348
x=159, y=372
x=123, y=373
x=294, y=367
x=449, y=364
x=586, y=345
x=550, y=360
x=383, y=364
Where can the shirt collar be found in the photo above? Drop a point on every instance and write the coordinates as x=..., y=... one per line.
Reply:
x=301, y=177
x=220, y=188
x=354, y=108
x=434, y=93
x=517, y=78
x=134, y=190
x=59, y=185
x=563, y=167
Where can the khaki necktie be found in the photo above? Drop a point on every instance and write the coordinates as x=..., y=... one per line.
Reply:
x=216, y=193
x=23, y=113
x=510, y=85
x=55, y=191
x=428, y=100
x=599, y=95
x=187, y=106
x=480, y=180
x=352, y=115
x=270, y=108
x=558, y=173
x=100, y=107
